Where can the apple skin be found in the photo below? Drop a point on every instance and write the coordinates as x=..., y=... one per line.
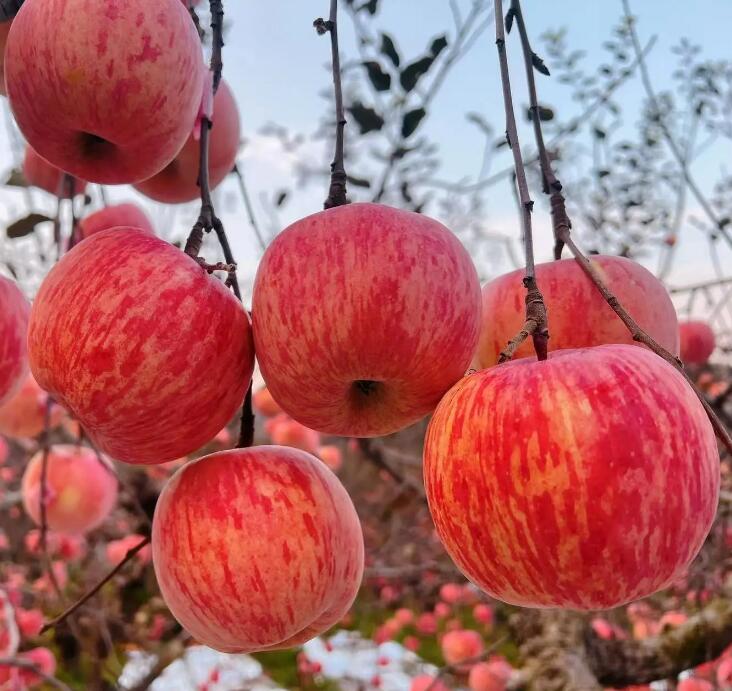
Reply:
x=115, y=216
x=276, y=556
x=108, y=91
x=44, y=175
x=146, y=350
x=14, y=313
x=697, y=342
x=593, y=481
x=23, y=415
x=578, y=314
x=178, y=181
x=4, y=31
x=364, y=293
x=81, y=489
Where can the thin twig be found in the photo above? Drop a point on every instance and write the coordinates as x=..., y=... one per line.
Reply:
x=246, y=427
x=31, y=666
x=249, y=208
x=678, y=154
x=563, y=235
x=337, y=191
x=91, y=593
x=535, y=308
x=43, y=539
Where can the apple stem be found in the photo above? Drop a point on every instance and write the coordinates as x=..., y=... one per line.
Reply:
x=338, y=178
x=91, y=593
x=562, y=225
x=246, y=429
x=536, y=316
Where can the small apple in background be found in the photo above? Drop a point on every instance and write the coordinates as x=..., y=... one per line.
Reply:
x=264, y=404
x=42, y=658
x=277, y=554
x=116, y=550
x=331, y=455
x=102, y=72
x=493, y=675
x=578, y=314
x=460, y=646
x=151, y=354
x=4, y=30
x=607, y=461
x=291, y=433
x=23, y=415
x=14, y=312
x=81, y=489
x=426, y=682
x=363, y=316
x=697, y=342
x=178, y=181
x=115, y=216
x=40, y=173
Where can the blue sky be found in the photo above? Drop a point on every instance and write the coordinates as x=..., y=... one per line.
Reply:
x=276, y=64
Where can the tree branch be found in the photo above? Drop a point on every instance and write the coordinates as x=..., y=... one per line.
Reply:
x=337, y=192
x=535, y=308
x=8, y=9
x=31, y=666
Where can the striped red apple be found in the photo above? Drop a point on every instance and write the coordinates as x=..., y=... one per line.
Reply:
x=578, y=314
x=363, y=318
x=585, y=481
x=14, y=311
x=257, y=549
x=148, y=352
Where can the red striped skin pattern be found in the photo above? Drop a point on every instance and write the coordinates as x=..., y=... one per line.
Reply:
x=697, y=342
x=150, y=353
x=257, y=549
x=578, y=315
x=115, y=216
x=82, y=489
x=364, y=292
x=178, y=181
x=127, y=71
x=14, y=312
x=582, y=482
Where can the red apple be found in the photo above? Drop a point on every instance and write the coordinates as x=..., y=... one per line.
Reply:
x=697, y=342
x=276, y=555
x=150, y=353
x=578, y=314
x=461, y=646
x=331, y=455
x=178, y=181
x=592, y=482
x=23, y=415
x=490, y=676
x=4, y=30
x=40, y=173
x=692, y=684
x=115, y=216
x=426, y=682
x=116, y=550
x=20, y=678
x=364, y=316
x=81, y=489
x=14, y=311
x=292, y=433
x=107, y=91
x=264, y=404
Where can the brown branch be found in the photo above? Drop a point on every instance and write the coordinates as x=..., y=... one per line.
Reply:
x=91, y=593
x=703, y=637
x=678, y=154
x=217, y=41
x=337, y=191
x=43, y=499
x=249, y=208
x=535, y=307
x=562, y=226
x=31, y=666
x=246, y=428
x=375, y=456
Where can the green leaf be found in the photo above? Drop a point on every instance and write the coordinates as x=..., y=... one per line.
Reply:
x=388, y=48
x=25, y=226
x=411, y=121
x=367, y=119
x=380, y=79
x=412, y=73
